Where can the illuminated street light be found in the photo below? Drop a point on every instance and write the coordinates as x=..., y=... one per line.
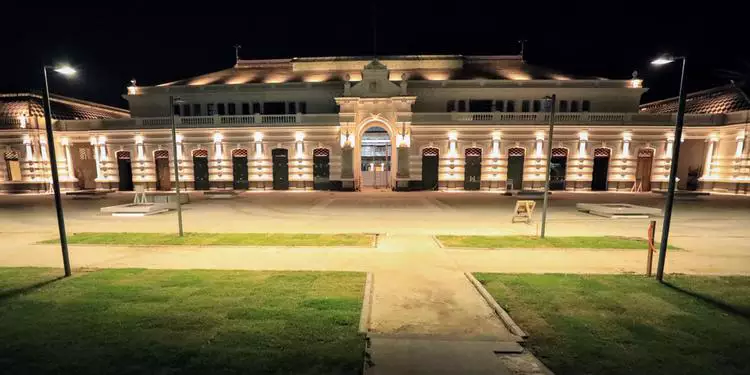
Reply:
x=675, y=162
x=663, y=60
x=65, y=70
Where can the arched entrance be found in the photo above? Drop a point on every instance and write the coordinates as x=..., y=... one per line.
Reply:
x=643, y=170
x=280, y=158
x=125, y=171
x=430, y=163
x=239, y=169
x=321, y=169
x=200, y=169
x=558, y=168
x=161, y=161
x=516, y=157
x=600, y=174
x=376, y=156
x=473, y=168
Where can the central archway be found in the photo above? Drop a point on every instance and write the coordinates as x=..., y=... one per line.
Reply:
x=375, y=160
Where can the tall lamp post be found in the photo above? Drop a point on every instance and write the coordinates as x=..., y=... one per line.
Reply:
x=551, y=102
x=673, y=168
x=172, y=102
x=67, y=71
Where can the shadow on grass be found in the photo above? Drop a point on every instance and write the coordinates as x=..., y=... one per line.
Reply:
x=7, y=294
x=731, y=309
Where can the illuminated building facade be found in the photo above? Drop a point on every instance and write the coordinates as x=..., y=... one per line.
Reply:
x=399, y=122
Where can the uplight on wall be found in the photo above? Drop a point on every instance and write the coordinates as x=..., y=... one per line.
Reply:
x=495, y=144
x=626, y=139
x=258, y=138
x=102, y=140
x=539, y=141
x=23, y=120
x=583, y=137
x=217, y=145
x=139, y=146
x=43, y=147
x=740, y=145
x=299, y=138
x=178, y=138
x=452, y=144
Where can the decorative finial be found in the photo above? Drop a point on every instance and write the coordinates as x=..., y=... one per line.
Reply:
x=635, y=74
x=237, y=53
x=522, y=42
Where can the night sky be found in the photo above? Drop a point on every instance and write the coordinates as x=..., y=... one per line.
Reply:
x=156, y=43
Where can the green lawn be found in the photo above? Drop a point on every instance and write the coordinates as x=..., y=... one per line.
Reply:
x=134, y=321
x=201, y=239
x=625, y=324
x=499, y=242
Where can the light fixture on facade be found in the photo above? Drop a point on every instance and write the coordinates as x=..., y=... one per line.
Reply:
x=299, y=138
x=539, y=141
x=452, y=144
x=258, y=138
x=495, y=144
x=23, y=120
x=217, y=146
x=740, y=145
x=627, y=137
x=65, y=141
x=583, y=137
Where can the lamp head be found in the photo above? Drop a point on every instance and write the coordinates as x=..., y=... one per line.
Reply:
x=663, y=60
x=65, y=70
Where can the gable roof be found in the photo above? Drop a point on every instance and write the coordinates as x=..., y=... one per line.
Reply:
x=14, y=105
x=413, y=67
x=722, y=99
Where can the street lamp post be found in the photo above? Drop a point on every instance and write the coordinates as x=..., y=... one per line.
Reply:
x=65, y=70
x=673, y=168
x=172, y=101
x=551, y=102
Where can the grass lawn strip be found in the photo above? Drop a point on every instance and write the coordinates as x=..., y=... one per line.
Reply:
x=574, y=242
x=189, y=322
x=208, y=239
x=626, y=324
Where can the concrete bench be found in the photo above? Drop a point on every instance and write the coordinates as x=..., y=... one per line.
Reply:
x=220, y=194
x=684, y=194
x=88, y=194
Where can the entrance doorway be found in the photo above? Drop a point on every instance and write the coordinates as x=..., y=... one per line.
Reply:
x=430, y=163
x=13, y=166
x=321, y=169
x=376, y=158
x=558, y=167
x=239, y=169
x=643, y=170
x=161, y=159
x=473, y=168
x=516, y=157
x=600, y=174
x=125, y=171
x=280, y=168
x=200, y=169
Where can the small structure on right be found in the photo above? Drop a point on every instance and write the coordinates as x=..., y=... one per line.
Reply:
x=718, y=161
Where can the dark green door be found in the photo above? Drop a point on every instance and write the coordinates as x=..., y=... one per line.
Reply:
x=515, y=168
x=239, y=173
x=558, y=166
x=430, y=162
x=321, y=169
x=473, y=169
x=601, y=169
x=280, y=168
x=125, y=170
x=200, y=171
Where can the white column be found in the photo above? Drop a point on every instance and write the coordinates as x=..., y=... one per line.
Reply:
x=68, y=159
x=92, y=141
x=29, y=148
x=709, y=157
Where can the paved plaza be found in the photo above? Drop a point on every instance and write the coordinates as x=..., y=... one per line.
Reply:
x=419, y=287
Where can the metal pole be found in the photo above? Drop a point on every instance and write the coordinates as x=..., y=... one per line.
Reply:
x=672, y=176
x=55, y=178
x=176, y=171
x=552, y=100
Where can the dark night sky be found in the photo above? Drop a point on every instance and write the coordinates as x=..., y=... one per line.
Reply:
x=158, y=42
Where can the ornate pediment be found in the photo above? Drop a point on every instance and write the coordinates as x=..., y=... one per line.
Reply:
x=375, y=82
